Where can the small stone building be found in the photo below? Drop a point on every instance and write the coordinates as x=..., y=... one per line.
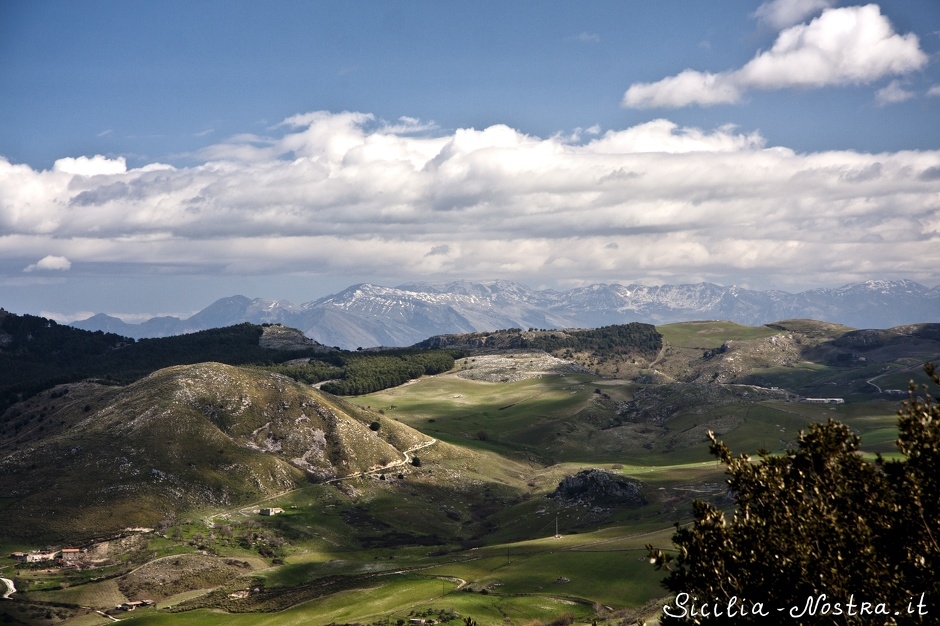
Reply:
x=271, y=511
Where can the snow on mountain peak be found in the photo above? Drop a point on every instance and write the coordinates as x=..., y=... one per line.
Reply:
x=368, y=314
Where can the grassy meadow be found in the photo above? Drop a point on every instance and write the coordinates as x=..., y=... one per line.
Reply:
x=467, y=527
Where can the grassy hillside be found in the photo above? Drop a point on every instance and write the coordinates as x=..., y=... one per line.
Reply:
x=334, y=538
x=612, y=350
x=37, y=353
x=435, y=498
x=86, y=459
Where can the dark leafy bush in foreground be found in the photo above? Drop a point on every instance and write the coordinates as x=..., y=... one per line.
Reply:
x=819, y=520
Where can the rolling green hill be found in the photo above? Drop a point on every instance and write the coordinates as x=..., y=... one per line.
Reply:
x=437, y=497
x=37, y=353
x=85, y=460
x=617, y=349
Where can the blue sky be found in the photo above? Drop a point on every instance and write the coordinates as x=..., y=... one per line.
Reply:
x=156, y=156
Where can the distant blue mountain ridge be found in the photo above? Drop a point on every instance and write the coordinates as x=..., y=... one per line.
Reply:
x=368, y=315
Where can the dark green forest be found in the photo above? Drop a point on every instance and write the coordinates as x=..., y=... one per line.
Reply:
x=373, y=372
x=37, y=354
x=605, y=341
x=634, y=338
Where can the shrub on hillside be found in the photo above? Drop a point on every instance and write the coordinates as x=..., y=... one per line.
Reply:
x=818, y=520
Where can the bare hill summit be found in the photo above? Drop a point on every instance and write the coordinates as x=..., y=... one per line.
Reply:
x=86, y=459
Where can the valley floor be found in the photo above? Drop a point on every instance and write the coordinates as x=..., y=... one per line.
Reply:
x=459, y=511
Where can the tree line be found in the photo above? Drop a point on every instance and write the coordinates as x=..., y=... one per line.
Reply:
x=635, y=337
x=37, y=353
x=619, y=339
x=366, y=373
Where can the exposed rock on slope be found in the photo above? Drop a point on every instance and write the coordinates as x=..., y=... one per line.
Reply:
x=280, y=337
x=514, y=366
x=597, y=487
x=183, y=438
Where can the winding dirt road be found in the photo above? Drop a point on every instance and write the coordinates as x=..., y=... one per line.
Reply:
x=10, y=589
x=384, y=468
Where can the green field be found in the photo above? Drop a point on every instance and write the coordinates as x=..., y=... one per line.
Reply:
x=467, y=526
x=710, y=335
x=389, y=601
x=537, y=579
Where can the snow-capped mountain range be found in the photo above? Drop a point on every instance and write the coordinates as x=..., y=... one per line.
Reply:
x=368, y=315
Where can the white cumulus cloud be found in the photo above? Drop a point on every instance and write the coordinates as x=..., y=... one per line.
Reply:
x=50, y=262
x=843, y=46
x=685, y=88
x=90, y=166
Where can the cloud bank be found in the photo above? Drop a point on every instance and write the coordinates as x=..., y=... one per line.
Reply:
x=843, y=46
x=345, y=193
